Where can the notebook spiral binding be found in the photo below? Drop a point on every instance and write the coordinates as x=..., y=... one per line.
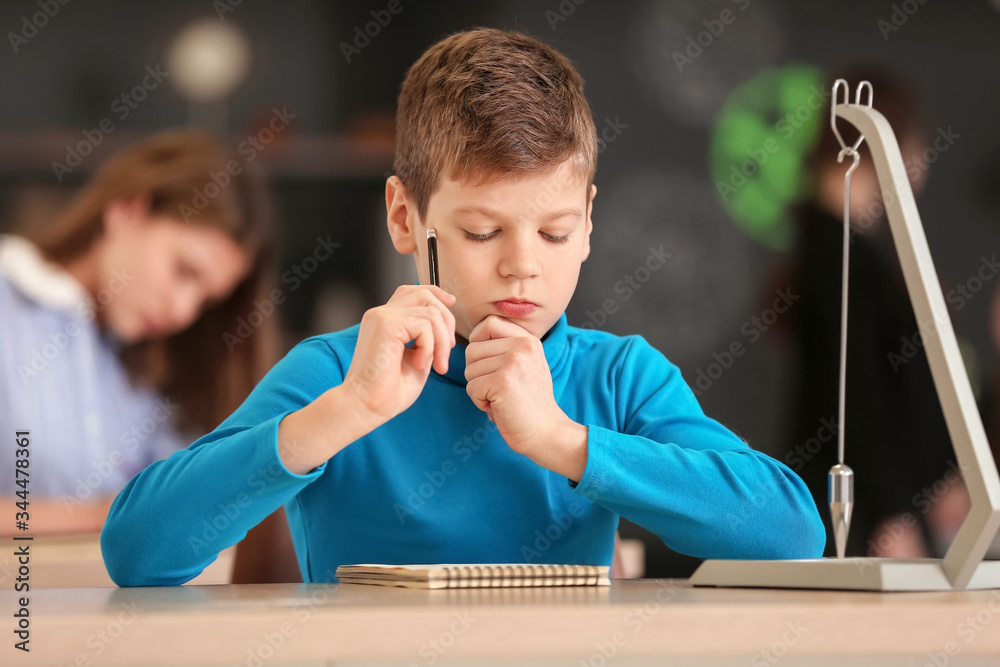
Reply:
x=470, y=576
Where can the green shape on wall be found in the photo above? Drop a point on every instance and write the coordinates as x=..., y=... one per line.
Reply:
x=761, y=138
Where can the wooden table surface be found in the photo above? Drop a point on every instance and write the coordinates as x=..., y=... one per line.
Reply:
x=75, y=561
x=640, y=622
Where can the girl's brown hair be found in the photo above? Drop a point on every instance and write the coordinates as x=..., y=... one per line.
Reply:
x=188, y=176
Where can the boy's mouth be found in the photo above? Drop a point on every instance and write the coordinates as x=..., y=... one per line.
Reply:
x=515, y=307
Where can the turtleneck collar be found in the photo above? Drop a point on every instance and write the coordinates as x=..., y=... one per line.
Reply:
x=554, y=342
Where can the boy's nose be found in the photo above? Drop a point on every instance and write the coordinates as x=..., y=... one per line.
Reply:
x=520, y=259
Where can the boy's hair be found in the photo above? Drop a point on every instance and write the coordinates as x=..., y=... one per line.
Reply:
x=485, y=104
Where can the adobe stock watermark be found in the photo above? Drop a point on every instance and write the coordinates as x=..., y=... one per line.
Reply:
x=915, y=166
x=104, y=637
x=627, y=286
x=257, y=482
x=714, y=28
x=749, y=512
x=365, y=33
x=121, y=108
x=635, y=620
x=945, y=139
x=228, y=513
x=900, y=14
x=893, y=531
x=436, y=478
x=8, y=567
x=432, y=649
x=31, y=25
x=752, y=330
x=958, y=297
x=805, y=452
x=967, y=629
x=248, y=149
x=562, y=12
x=139, y=433
x=223, y=7
x=786, y=127
x=552, y=533
x=609, y=132
x=271, y=642
x=294, y=277
x=40, y=357
x=779, y=647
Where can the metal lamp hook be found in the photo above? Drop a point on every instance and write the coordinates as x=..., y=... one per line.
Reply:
x=846, y=150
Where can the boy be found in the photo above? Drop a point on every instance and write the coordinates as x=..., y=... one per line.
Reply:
x=501, y=434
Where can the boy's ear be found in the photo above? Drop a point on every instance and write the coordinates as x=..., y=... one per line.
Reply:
x=590, y=224
x=401, y=216
x=125, y=213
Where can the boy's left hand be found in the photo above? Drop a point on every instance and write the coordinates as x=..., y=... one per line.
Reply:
x=509, y=379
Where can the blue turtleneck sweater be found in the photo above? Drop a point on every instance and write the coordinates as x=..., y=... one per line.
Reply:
x=437, y=484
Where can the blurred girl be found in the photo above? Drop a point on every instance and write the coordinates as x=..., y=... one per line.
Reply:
x=117, y=341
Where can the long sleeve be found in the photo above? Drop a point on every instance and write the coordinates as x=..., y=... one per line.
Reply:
x=689, y=480
x=172, y=519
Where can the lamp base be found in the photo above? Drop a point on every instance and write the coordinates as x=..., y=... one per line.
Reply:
x=860, y=574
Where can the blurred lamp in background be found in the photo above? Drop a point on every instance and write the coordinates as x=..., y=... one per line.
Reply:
x=208, y=60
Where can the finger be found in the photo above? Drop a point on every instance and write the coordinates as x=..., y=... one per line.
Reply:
x=421, y=332
x=448, y=317
x=405, y=291
x=483, y=367
x=485, y=349
x=443, y=339
x=435, y=296
x=444, y=295
x=495, y=326
x=485, y=330
x=408, y=326
x=478, y=390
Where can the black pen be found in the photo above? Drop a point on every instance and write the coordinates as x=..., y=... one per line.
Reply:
x=432, y=256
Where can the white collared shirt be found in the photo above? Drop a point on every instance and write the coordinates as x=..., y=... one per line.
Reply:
x=61, y=379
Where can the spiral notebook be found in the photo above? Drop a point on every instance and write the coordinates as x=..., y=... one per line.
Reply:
x=478, y=575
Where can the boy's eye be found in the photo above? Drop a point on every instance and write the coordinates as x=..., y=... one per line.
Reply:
x=486, y=237
x=479, y=237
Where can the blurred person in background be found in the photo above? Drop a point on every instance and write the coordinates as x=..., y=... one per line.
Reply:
x=113, y=346
x=896, y=440
x=956, y=500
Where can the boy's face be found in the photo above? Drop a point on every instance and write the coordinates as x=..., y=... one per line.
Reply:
x=511, y=248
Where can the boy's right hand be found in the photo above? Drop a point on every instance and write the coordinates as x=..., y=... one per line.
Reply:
x=385, y=376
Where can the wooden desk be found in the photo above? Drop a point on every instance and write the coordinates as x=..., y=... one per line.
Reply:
x=636, y=622
x=75, y=561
